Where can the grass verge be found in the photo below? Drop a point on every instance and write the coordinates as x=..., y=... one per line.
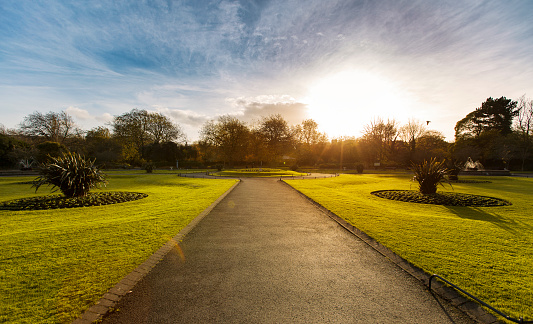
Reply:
x=264, y=172
x=55, y=263
x=485, y=250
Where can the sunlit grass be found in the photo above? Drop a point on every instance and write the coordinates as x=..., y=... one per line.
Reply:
x=486, y=250
x=263, y=172
x=354, y=171
x=56, y=263
x=155, y=171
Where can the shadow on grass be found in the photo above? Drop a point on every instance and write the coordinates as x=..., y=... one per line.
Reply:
x=480, y=214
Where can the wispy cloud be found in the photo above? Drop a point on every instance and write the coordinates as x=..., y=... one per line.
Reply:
x=183, y=117
x=83, y=115
x=253, y=109
x=190, y=56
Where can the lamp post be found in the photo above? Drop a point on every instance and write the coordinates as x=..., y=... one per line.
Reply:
x=342, y=153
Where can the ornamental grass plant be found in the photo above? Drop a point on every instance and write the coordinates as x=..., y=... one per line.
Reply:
x=429, y=174
x=71, y=173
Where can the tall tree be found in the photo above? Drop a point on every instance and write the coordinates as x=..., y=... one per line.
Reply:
x=431, y=144
x=493, y=115
x=131, y=129
x=139, y=128
x=54, y=127
x=99, y=144
x=276, y=135
x=10, y=149
x=229, y=136
x=163, y=129
x=484, y=134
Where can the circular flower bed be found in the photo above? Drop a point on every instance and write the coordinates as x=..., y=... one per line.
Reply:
x=470, y=181
x=60, y=201
x=441, y=198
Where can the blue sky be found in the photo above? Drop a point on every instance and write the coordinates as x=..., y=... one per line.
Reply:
x=340, y=62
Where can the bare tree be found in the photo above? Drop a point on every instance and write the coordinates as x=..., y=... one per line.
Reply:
x=163, y=129
x=381, y=138
x=524, y=120
x=307, y=133
x=310, y=142
x=55, y=127
x=410, y=133
x=524, y=127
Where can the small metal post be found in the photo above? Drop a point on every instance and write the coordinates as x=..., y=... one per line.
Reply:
x=431, y=278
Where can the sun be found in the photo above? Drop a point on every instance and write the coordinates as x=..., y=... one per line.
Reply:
x=343, y=103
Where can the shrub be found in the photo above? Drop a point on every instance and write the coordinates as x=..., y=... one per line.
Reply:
x=453, y=171
x=71, y=173
x=359, y=168
x=328, y=166
x=149, y=167
x=429, y=174
x=48, y=150
x=294, y=167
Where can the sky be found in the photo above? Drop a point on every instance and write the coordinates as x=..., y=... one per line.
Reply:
x=343, y=63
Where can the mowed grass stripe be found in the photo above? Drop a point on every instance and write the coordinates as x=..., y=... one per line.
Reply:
x=486, y=250
x=56, y=263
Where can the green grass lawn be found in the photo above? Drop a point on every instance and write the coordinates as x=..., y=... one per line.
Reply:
x=56, y=263
x=155, y=171
x=353, y=171
x=487, y=251
x=264, y=172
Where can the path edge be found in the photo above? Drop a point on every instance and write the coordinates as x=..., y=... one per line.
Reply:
x=112, y=296
x=467, y=306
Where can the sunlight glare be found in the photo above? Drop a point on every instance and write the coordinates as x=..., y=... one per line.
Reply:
x=343, y=103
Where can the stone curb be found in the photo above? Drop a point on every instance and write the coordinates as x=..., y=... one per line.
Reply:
x=109, y=299
x=472, y=309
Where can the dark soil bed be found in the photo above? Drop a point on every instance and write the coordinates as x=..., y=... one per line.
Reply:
x=470, y=181
x=60, y=201
x=441, y=198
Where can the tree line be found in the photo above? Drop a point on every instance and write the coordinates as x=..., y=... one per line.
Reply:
x=498, y=134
